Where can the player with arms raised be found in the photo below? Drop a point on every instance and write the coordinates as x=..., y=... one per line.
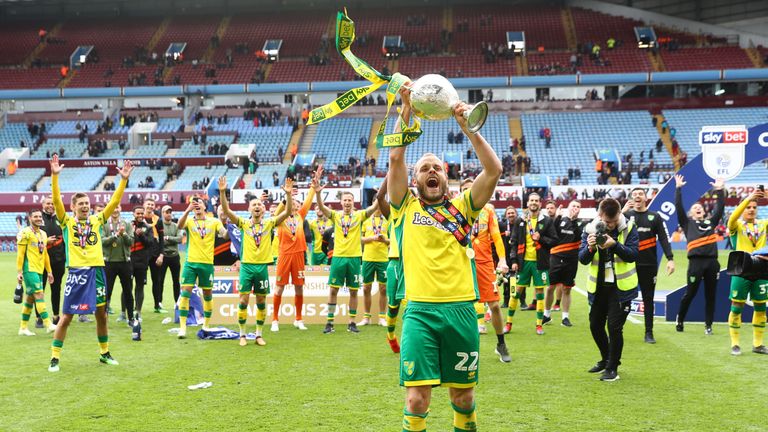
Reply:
x=440, y=342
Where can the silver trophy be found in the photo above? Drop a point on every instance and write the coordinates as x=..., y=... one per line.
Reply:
x=434, y=98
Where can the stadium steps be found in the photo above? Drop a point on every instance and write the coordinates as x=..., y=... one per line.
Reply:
x=41, y=182
x=221, y=30
x=70, y=76
x=521, y=65
x=167, y=74
x=569, y=27
x=41, y=46
x=130, y=152
x=159, y=33
x=295, y=141
x=373, y=151
x=755, y=57
x=171, y=152
x=107, y=178
x=656, y=61
x=267, y=70
x=666, y=139
x=169, y=185
x=515, y=127
x=308, y=136
x=448, y=23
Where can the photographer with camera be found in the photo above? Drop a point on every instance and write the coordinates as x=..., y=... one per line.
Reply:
x=748, y=235
x=609, y=245
x=702, y=251
x=140, y=251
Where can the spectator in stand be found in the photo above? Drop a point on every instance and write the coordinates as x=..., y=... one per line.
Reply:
x=258, y=184
x=276, y=179
x=451, y=137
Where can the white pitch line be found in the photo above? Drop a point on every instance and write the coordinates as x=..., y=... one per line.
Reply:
x=630, y=318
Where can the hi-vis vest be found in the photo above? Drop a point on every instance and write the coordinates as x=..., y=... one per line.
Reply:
x=624, y=272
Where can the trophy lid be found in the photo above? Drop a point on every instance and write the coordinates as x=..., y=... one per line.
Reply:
x=433, y=97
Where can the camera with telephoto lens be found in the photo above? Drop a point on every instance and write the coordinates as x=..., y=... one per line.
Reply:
x=747, y=266
x=601, y=230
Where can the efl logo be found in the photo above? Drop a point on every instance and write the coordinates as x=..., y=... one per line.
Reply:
x=724, y=135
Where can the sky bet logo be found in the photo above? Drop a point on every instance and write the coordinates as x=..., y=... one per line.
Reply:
x=225, y=286
x=724, y=135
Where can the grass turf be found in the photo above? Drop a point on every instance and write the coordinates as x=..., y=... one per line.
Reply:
x=306, y=381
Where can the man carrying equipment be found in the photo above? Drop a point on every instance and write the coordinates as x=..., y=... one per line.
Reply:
x=198, y=268
x=347, y=250
x=749, y=235
x=375, y=248
x=85, y=290
x=650, y=227
x=31, y=260
x=535, y=236
x=255, y=255
x=564, y=261
x=440, y=343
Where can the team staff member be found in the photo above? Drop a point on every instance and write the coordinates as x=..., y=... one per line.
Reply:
x=375, y=248
x=440, y=343
x=650, y=227
x=56, y=254
x=748, y=234
x=319, y=226
x=156, y=256
x=31, y=260
x=85, y=282
x=116, y=245
x=534, y=237
x=347, y=250
x=564, y=261
x=612, y=282
x=172, y=238
x=702, y=251
x=507, y=228
x=140, y=255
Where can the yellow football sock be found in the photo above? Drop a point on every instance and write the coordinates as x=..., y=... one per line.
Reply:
x=26, y=311
x=414, y=422
x=512, y=307
x=261, y=316
x=103, y=344
x=758, y=324
x=242, y=315
x=207, y=310
x=464, y=420
x=183, y=309
x=56, y=346
x=40, y=306
x=734, y=324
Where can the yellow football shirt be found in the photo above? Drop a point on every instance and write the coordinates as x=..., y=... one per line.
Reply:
x=318, y=228
x=436, y=266
x=530, y=247
x=202, y=236
x=349, y=245
x=35, y=251
x=394, y=251
x=250, y=252
x=375, y=251
x=749, y=236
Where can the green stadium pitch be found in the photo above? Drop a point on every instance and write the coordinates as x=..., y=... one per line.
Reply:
x=306, y=381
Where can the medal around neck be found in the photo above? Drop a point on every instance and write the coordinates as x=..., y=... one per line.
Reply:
x=470, y=253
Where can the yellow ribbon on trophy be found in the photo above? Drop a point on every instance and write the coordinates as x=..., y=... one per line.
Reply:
x=345, y=36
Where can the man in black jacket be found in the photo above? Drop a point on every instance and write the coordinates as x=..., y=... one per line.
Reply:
x=507, y=226
x=56, y=253
x=534, y=236
x=140, y=250
x=152, y=219
x=650, y=227
x=564, y=261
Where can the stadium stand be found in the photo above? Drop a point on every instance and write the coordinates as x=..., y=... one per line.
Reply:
x=337, y=139
x=157, y=149
x=724, y=57
x=76, y=180
x=265, y=174
x=20, y=38
x=22, y=180
x=72, y=148
x=195, y=31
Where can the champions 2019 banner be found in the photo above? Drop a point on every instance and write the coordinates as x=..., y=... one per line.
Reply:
x=725, y=151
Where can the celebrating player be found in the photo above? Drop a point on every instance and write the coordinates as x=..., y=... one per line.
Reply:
x=564, y=261
x=198, y=268
x=440, y=342
x=485, y=232
x=31, y=260
x=535, y=236
x=375, y=248
x=702, y=252
x=347, y=250
x=319, y=226
x=395, y=282
x=748, y=234
x=291, y=257
x=255, y=255
x=649, y=227
x=85, y=289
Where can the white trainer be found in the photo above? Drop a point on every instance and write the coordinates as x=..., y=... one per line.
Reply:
x=51, y=328
x=364, y=322
x=26, y=332
x=382, y=322
x=275, y=326
x=299, y=325
x=182, y=333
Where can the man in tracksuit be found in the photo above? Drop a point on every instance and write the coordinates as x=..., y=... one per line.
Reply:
x=56, y=253
x=650, y=227
x=116, y=242
x=564, y=261
x=140, y=251
x=156, y=256
x=535, y=236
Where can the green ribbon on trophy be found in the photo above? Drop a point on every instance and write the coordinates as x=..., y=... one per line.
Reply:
x=345, y=36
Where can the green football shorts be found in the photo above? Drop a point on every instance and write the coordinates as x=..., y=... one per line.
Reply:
x=254, y=277
x=528, y=272
x=374, y=270
x=199, y=273
x=345, y=271
x=741, y=288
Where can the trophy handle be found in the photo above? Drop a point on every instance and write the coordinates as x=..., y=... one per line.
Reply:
x=476, y=116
